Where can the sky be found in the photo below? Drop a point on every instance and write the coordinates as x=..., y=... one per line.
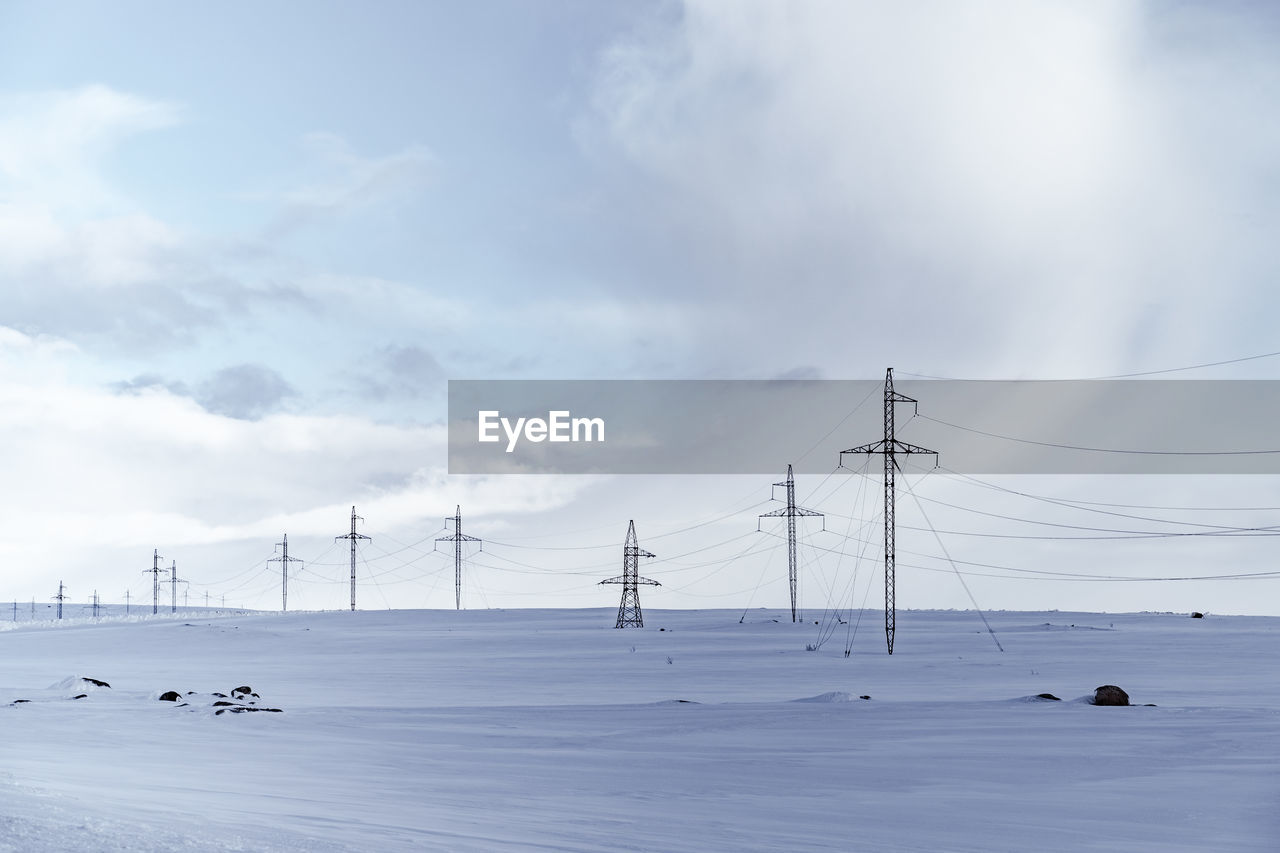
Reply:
x=243, y=249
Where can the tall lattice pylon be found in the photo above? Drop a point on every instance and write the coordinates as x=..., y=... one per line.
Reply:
x=154, y=571
x=457, y=538
x=790, y=514
x=284, y=560
x=890, y=448
x=353, y=536
x=629, y=613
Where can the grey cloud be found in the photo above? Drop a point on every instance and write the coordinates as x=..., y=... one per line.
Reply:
x=149, y=381
x=400, y=372
x=244, y=391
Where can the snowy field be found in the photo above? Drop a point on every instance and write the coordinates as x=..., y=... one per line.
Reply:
x=551, y=730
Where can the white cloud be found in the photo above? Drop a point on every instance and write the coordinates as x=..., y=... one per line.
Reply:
x=91, y=472
x=52, y=144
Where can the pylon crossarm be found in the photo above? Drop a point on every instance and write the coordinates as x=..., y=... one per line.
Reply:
x=904, y=447
x=873, y=447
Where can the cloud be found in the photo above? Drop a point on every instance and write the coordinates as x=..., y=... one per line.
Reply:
x=52, y=144
x=339, y=182
x=82, y=260
x=988, y=183
x=145, y=382
x=97, y=476
x=244, y=391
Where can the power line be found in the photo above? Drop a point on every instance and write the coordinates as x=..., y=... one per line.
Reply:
x=1124, y=451
x=1119, y=375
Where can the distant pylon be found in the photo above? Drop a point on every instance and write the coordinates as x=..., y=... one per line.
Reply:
x=890, y=448
x=59, y=597
x=95, y=604
x=284, y=560
x=629, y=612
x=173, y=582
x=353, y=536
x=790, y=514
x=154, y=571
x=457, y=538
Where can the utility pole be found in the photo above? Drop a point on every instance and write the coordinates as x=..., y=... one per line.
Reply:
x=154, y=571
x=629, y=609
x=890, y=448
x=126, y=602
x=457, y=538
x=790, y=513
x=173, y=582
x=206, y=599
x=15, y=610
x=95, y=604
x=59, y=598
x=353, y=536
x=284, y=560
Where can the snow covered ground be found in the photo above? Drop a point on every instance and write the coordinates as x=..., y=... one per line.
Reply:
x=551, y=730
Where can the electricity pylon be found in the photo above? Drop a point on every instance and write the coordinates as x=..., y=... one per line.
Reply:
x=284, y=560
x=60, y=597
x=890, y=448
x=790, y=513
x=154, y=571
x=353, y=536
x=629, y=612
x=457, y=538
x=173, y=583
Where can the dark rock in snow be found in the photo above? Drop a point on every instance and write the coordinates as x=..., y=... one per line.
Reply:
x=1049, y=696
x=169, y=696
x=81, y=696
x=864, y=697
x=20, y=702
x=95, y=682
x=1109, y=694
x=1197, y=615
x=243, y=690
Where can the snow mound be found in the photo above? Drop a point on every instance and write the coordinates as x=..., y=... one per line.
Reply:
x=79, y=684
x=833, y=697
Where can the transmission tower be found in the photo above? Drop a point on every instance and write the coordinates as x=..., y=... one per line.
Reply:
x=457, y=538
x=173, y=582
x=154, y=571
x=890, y=448
x=95, y=604
x=629, y=608
x=59, y=598
x=353, y=536
x=284, y=560
x=126, y=602
x=790, y=513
